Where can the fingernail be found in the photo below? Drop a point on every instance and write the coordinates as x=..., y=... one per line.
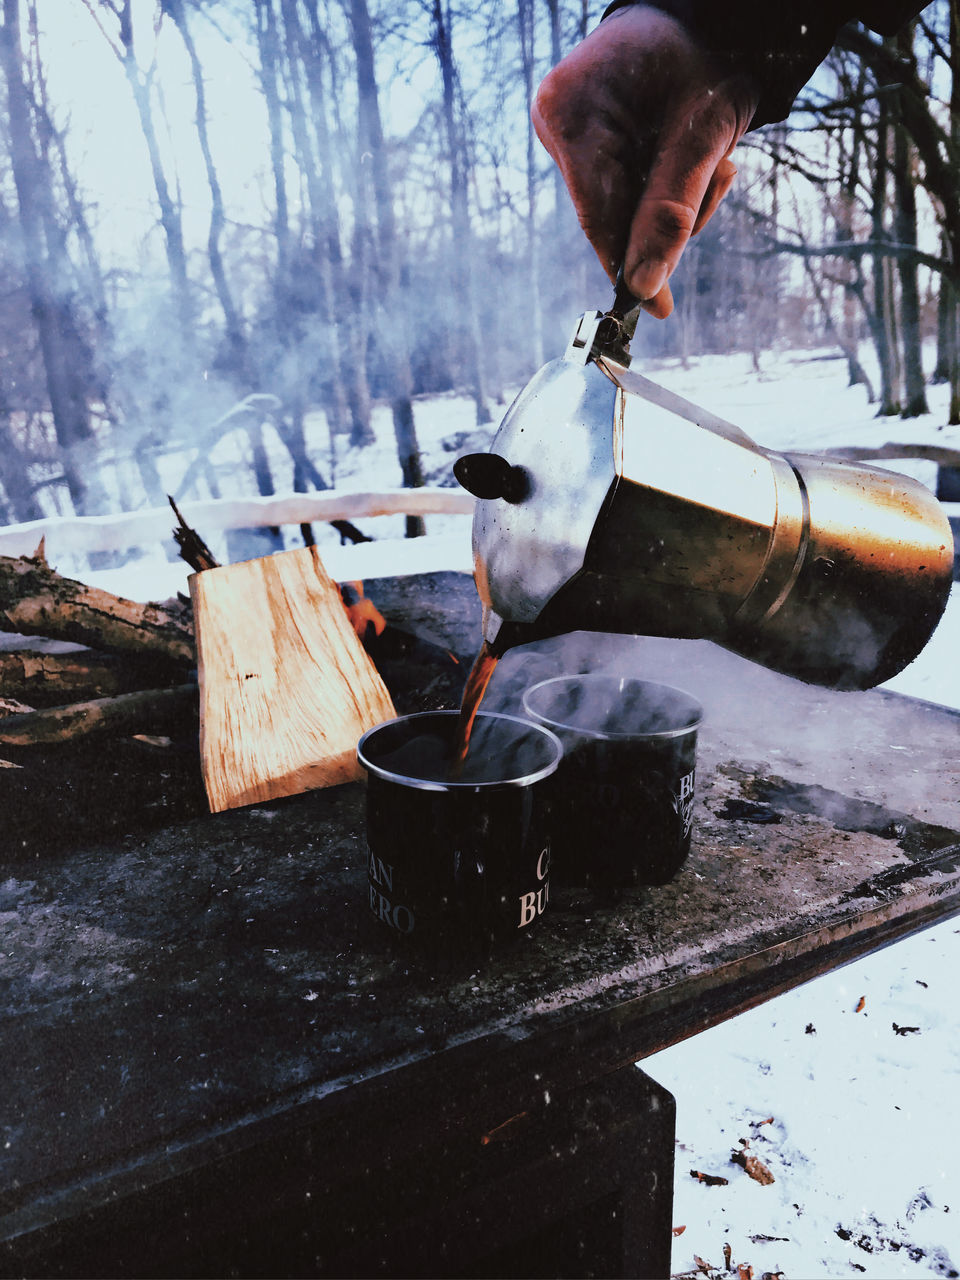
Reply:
x=646, y=278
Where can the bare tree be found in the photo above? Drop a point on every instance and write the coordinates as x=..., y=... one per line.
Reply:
x=463, y=253
x=392, y=331
x=47, y=274
x=526, y=26
x=122, y=41
x=317, y=56
x=236, y=337
x=905, y=233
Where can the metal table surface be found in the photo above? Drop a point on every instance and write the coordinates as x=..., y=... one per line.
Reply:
x=185, y=990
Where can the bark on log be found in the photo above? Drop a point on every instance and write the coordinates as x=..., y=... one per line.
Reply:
x=52, y=679
x=152, y=710
x=36, y=601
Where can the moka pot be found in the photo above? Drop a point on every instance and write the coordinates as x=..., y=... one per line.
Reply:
x=607, y=503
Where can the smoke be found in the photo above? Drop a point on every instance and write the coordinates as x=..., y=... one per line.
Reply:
x=422, y=748
x=873, y=745
x=611, y=706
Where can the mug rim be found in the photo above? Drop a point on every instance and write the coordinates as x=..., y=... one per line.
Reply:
x=438, y=785
x=612, y=735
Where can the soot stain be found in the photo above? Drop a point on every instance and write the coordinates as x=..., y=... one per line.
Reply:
x=735, y=810
x=929, y=847
x=917, y=839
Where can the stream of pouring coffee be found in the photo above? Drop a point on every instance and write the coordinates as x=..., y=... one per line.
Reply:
x=476, y=686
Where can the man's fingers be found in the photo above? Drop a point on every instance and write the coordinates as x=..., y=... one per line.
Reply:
x=686, y=178
x=595, y=160
x=661, y=306
x=660, y=231
x=720, y=184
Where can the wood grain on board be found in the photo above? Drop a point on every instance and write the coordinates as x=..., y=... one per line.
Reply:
x=286, y=688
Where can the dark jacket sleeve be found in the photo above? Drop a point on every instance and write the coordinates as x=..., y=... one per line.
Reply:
x=780, y=42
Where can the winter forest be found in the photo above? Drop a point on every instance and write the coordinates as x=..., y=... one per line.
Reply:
x=315, y=206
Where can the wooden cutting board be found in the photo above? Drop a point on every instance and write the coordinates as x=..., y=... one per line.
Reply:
x=286, y=687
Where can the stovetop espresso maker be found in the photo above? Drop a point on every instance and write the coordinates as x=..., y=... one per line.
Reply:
x=607, y=503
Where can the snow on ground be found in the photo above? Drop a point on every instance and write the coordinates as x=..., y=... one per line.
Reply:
x=852, y=1111
x=855, y=1119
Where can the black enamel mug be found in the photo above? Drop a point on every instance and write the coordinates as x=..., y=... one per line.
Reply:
x=458, y=862
x=626, y=784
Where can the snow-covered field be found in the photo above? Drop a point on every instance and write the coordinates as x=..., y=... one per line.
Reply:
x=845, y=1087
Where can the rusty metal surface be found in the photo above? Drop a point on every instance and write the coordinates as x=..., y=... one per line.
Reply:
x=169, y=994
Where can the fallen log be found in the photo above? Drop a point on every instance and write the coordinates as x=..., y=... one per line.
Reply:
x=36, y=601
x=151, y=710
x=51, y=679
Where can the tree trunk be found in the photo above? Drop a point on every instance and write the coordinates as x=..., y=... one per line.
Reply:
x=65, y=389
x=324, y=234
x=953, y=288
x=941, y=371
x=267, y=45
x=393, y=323
x=265, y=487
x=850, y=176
x=269, y=49
x=526, y=25
x=236, y=339
x=857, y=373
x=464, y=300
x=562, y=206
x=21, y=500
x=905, y=233
x=884, y=299
x=169, y=211
x=687, y=310
x=347, y=317
x=953, y=353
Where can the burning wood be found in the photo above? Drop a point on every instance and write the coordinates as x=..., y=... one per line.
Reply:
x=361, y=611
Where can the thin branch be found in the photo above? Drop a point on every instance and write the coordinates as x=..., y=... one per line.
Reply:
x=857, y=249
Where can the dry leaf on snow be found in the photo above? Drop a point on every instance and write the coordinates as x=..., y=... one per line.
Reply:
x=757, y=1170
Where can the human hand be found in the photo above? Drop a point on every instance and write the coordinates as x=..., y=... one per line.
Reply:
x=641, y=122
